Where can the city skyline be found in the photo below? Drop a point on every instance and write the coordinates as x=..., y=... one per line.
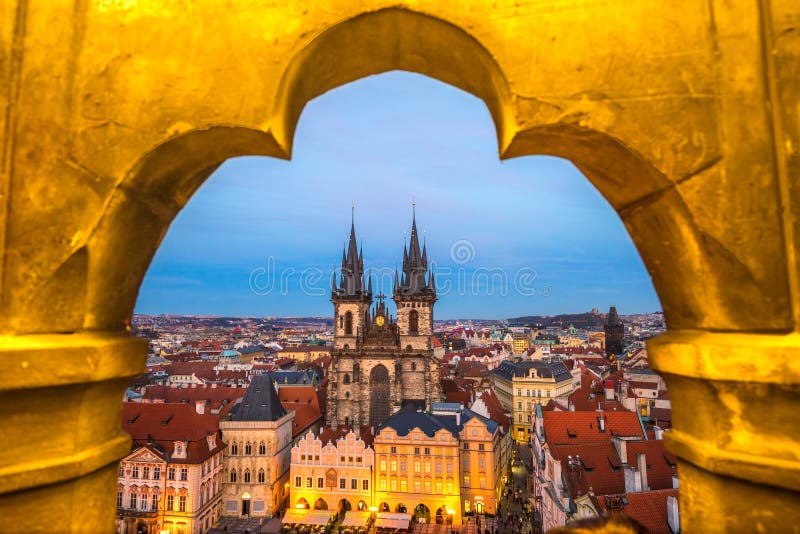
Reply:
x=526, y=236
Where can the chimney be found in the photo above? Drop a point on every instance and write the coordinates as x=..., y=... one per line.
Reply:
x=601, y=423
x=673, y=515
x=609, y=388
x=570, y=406
x=642, y=462
x=675, y=483
x=622, y=448
x=659, y=432
x=200, y=406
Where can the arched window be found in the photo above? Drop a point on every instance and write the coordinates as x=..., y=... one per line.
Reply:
x=247, y=475
x=348, y=324
x=261, y=476
x=346, y=394
x=413, y=366
x=346, y=379
x=233, y=475
x=248, y=449
x=262, y=448
x=234, y=448
x=413, y=321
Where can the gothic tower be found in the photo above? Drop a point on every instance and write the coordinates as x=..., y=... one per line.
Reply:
x=379, y=364
x=615, y=333
x=350, y=299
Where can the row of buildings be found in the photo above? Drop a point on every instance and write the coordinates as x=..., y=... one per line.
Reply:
x=193, y=463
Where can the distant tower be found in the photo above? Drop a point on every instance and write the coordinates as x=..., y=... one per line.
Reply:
x=615, y=333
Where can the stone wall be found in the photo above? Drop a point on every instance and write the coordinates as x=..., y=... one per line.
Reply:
x=683, y=115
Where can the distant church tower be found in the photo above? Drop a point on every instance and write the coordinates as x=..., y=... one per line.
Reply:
x=379, y=364
x=615, y=333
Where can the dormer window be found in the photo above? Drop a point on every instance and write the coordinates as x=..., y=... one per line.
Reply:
x=212, y=442
x=179, y=449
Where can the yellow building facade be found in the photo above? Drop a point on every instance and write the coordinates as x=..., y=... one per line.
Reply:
x=521, y=386
x=417, y=469
x=683, y=115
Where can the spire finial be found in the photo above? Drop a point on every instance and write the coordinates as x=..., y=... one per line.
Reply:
x=414, y=206
x=353, y=212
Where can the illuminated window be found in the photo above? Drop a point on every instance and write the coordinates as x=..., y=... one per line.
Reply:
x=342, y=483
x=393, y=464
x=416, y=486
x=482, y=482
x=450, y=486
x=403, y=486
x=320, y=482
x=132, y=503
x=466, y=481
x=416, y=466
x=119, y=499
x=427, y=486
x=427, y=467
x=383, y=465
x=382, y=484
x=170, y=502
x=182, y=503
x=365, y=484
x=393, y=484
x=154, y=502
x=438, y=487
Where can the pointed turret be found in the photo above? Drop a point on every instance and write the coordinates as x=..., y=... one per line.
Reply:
x=352, y=271
x=415, y=264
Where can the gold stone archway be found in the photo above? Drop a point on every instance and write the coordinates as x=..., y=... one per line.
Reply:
x=684, y=117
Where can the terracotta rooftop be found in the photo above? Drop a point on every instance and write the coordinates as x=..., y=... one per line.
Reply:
x=564, y=428
x=649, y=508
x=304, y=400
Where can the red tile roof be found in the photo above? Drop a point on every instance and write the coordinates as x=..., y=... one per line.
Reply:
x=213, y=395
x=305, y=403
x=649, y=508
x=165, y=423
x=563, y=428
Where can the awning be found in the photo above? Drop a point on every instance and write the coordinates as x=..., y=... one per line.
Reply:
x=393, y=520
x=355, y=518
x=302, y=516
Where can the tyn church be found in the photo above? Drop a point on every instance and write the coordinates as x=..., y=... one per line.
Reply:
x=379, y=364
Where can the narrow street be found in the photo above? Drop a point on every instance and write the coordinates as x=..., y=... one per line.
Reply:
x=514, y=512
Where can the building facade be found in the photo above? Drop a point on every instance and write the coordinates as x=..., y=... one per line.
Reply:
x=378, y=364
x=417, y=466
x=521, y=386
x=171, y=480
x=332, y=470
x=258, y=431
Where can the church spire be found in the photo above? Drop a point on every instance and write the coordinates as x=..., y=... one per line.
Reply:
x=415, y=262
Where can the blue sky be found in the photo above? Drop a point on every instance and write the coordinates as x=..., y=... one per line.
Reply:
x=523, y=236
